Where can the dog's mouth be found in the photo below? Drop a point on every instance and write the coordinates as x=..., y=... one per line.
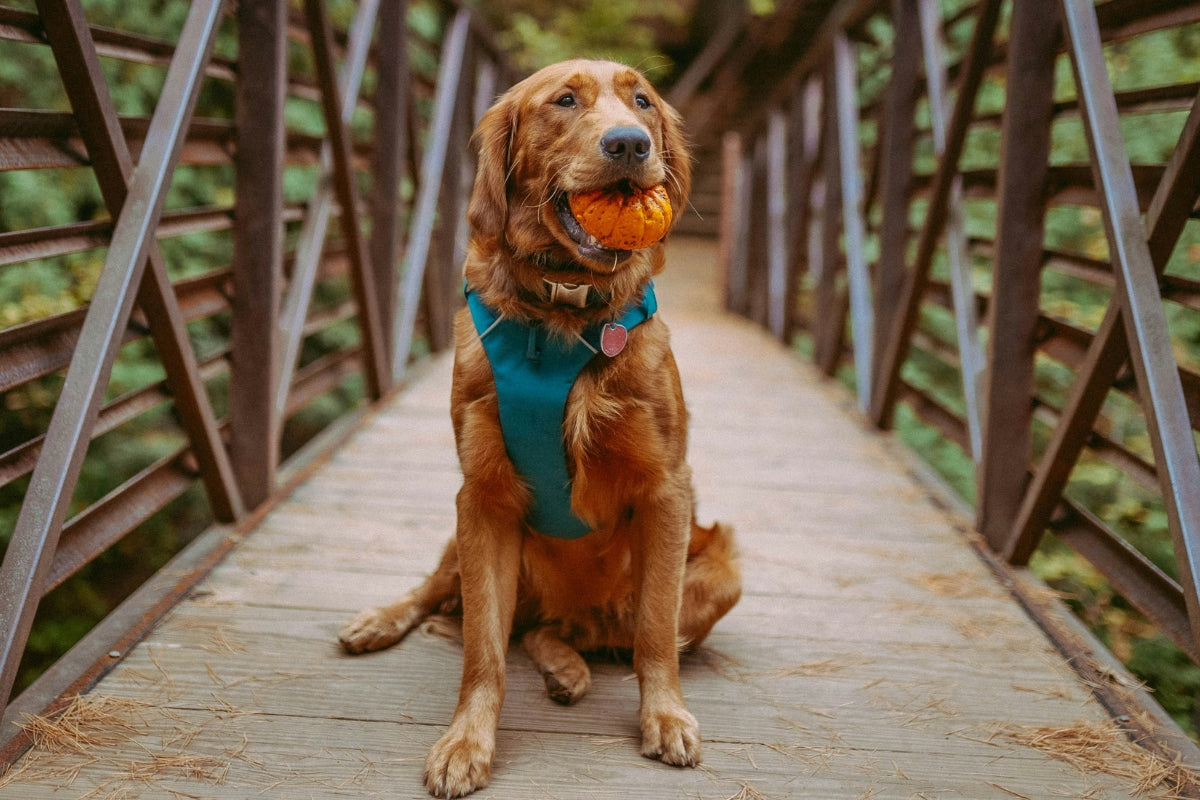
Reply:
x=587, y=246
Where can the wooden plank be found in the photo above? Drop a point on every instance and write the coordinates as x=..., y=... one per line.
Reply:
x=373, y=759
x=883, y=699
x=204, y=662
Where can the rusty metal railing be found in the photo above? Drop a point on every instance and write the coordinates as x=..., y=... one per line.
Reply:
x=256, y=305
x=985, y=188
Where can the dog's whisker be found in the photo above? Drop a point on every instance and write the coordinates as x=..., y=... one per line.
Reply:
x=674, y=178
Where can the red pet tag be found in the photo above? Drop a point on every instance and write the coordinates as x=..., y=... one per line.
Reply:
x=612, y=338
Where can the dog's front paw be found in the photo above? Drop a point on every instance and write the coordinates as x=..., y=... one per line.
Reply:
x=672, y=736
x=459, y=763
x=373, y=629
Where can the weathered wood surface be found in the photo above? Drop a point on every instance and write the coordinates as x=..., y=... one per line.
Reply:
x=872, y=655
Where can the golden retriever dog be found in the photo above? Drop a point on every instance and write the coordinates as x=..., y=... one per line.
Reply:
x=637, y=573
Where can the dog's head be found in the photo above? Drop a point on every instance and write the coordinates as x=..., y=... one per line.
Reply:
x=571, y=128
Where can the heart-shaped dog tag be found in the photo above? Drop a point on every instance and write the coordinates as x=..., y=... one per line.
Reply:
x=612, y=338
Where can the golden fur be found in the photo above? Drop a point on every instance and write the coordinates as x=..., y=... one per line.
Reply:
x=647, y=578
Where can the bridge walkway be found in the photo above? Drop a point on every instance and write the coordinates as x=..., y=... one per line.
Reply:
x=875, y=653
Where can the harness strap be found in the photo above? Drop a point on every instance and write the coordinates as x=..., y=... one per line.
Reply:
x=534, y=374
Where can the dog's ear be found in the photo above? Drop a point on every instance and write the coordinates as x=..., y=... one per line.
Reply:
x=678, y=158
x=487, y=211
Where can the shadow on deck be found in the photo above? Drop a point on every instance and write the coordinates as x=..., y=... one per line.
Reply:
x=874, y=653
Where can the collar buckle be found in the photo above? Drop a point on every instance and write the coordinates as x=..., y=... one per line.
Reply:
x=571, y=294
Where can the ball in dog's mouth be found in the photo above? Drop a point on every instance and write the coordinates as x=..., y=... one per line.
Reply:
x=624, y=216
x=588, y=245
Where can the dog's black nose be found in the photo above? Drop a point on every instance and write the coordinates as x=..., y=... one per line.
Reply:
x=626, y=144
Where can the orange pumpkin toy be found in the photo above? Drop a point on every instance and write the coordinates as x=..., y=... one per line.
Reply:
x=624, y=217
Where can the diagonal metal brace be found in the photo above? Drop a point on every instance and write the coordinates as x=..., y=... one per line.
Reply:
x=1137, y=291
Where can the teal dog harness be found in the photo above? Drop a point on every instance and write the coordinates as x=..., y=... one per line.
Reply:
x=534, y=374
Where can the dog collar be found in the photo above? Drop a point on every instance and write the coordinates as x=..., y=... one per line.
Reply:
x=534, y=373
x=572, y=294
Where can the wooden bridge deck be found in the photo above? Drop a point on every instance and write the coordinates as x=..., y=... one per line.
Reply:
x=873, y=654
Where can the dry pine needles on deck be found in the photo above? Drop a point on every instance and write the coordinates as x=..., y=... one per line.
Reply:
x=67, y=742
x=1103, y=748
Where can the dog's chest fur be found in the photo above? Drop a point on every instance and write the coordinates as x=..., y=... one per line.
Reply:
x=622, y=434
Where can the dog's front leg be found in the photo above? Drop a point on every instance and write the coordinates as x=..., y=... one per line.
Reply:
x=489, y=553
x=662, y=524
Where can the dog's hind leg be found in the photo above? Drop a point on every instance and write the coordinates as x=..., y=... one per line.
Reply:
x=377, y=628
x=565, y=672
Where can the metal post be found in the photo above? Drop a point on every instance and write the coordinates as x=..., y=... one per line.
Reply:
x=896, y=167
x=1016, y=287
x=887, y=378
x=391, y=143
x=777, y=229
x=258, y=244
x=962, y=288
x=731, y=254
x=854, y=231
x=337, y=116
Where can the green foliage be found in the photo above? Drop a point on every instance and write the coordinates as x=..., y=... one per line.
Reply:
x=37, y=289
x=951, y=463
x=540, y=32
x=1175, y=678
x=1166, y=670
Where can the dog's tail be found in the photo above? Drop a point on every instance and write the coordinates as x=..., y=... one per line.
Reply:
x=719, y=535
x=712, y=582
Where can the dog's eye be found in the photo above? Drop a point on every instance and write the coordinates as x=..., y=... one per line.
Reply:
x=642, y=101
x=566, y=101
